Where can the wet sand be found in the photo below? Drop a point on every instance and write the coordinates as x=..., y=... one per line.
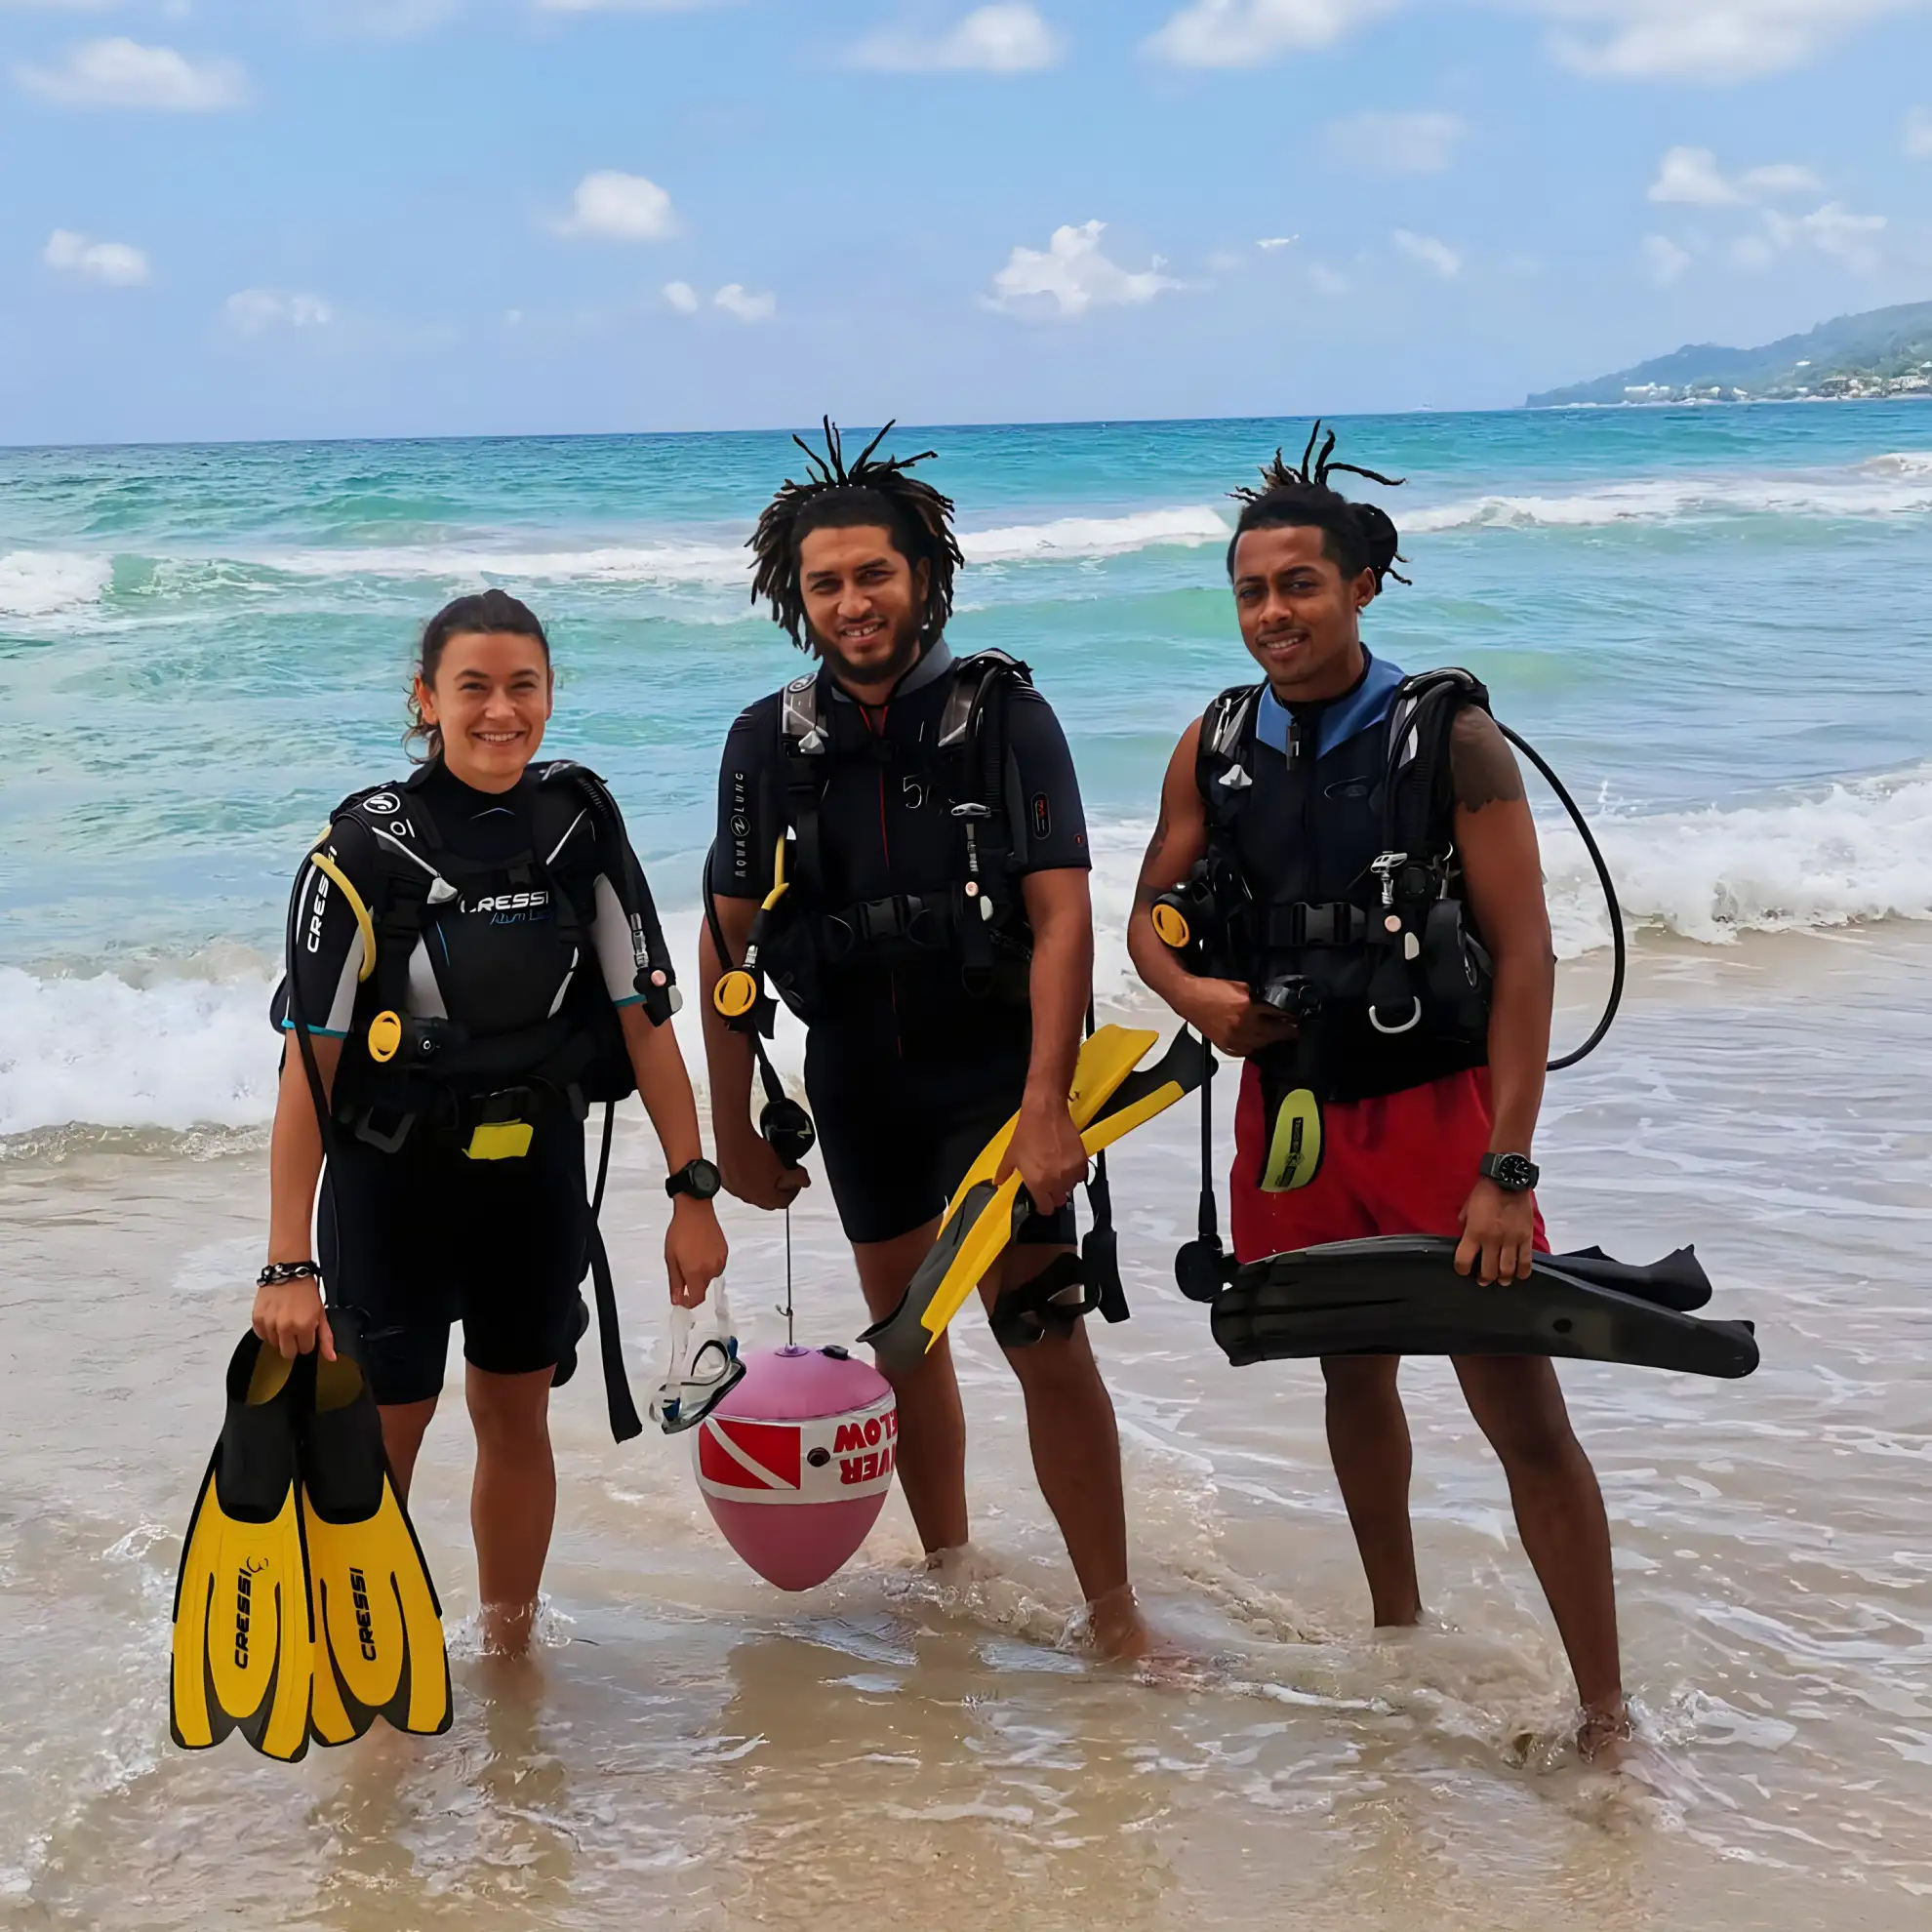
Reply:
x=690, y=1749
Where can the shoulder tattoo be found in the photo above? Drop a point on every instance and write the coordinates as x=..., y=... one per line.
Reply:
x=1483, y=768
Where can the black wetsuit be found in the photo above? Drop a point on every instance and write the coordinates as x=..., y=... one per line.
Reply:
x=422, y=1238
x=909, y=1077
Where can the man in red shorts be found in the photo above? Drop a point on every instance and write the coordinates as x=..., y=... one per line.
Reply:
x=1371, y=1104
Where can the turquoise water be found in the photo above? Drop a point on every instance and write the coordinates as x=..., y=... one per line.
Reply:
x=1713, y=621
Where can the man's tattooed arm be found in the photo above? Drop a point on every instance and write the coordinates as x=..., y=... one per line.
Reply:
x=1481, y=766
x=1144, y=887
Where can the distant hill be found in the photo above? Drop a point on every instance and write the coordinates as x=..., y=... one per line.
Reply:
x=1884, y=352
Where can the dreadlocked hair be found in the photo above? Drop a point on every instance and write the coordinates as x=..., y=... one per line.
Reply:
x=1356, y=537
x=838, y=495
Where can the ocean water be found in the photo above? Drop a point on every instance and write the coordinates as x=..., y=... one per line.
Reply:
x=1713, y=622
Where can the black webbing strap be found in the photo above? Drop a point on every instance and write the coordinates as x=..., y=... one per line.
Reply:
x=625, y=1420
x=1200, y=1265
x=1100, y=1251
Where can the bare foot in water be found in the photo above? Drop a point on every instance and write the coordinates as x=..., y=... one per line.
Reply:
x=1122, y=1635
x=504, y=1628
x=1605, y=1738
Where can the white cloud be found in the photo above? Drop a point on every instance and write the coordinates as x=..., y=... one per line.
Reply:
x=1663, y=260
x=1780, y=177
x=1835, y=230
x=609, y=206
x=1069, y=276
x=1326, y=280
x=123, y=74
x=1713, y=42
x=1423, y=143
x=735, y=299
x=1270, y=243
x=1691, y=176
x=1246, y=33
x=1430, y=253
x=1001, y=39
x=682, y=297
x=1918, y=134
x=109, y=264
x=255, y=311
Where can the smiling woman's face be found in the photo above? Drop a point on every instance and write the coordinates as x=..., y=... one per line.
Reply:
x=491, y=699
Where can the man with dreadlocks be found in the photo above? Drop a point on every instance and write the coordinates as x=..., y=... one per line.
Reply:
x=1344, y=856
x=912, y=824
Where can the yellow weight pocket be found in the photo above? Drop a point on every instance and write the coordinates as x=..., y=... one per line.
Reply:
x=1294, y=1144
x=501, y=1140
x=385, y=1037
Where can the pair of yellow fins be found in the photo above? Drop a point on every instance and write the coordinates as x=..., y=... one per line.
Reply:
x=303, y=1610
x=1110, y=1096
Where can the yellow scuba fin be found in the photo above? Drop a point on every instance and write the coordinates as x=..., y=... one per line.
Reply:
x=242, y=1634
x=1107, y=1057
x=379, y=1626
x=1107, y=1102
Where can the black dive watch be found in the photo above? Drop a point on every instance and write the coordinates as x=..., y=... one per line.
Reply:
x=697, y=1178
x=1514, y=1173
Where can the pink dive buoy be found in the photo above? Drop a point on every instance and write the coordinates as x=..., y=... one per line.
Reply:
x=795, y=1462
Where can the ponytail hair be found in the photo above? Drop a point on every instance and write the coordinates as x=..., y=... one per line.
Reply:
x=1356, y=537
x=483, y=613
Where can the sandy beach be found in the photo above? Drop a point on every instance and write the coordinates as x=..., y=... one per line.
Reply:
x=692, y=1749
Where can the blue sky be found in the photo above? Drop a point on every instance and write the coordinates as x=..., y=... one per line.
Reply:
x=302, y=218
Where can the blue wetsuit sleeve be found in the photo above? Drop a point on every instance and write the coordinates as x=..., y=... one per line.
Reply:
x=326, y=945
x=751, y=810
x=1043, y=791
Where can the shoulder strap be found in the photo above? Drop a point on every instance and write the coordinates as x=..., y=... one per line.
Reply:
x=1224, y=750
x=404, y=835
x=805, y=759
x=975, y=679
x=1422, y=717
x=579, y=793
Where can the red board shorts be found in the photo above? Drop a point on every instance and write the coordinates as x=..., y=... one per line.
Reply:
x=1400, y=1163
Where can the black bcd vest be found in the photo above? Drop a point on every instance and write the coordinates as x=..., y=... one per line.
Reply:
x=957, y=905
x=1331, y=885
x=441, y=1075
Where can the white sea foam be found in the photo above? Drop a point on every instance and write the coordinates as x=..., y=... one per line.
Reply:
x=184, y=1053
x=477, y=562
x=702, y=563
x=41, y=584
x=1887, y=485
x=1857, y=852
x=175, y=1053
x=1899, y=462
x=1074, y=537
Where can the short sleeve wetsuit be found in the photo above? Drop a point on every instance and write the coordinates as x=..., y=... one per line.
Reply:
x=422, y=1238
x=909, y=1077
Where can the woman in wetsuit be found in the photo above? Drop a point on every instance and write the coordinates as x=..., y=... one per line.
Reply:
x=474, y=960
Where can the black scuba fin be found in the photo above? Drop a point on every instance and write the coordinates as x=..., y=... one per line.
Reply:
x=1401, y=1296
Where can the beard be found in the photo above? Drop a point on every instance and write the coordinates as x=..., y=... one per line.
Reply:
x=907, y=648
